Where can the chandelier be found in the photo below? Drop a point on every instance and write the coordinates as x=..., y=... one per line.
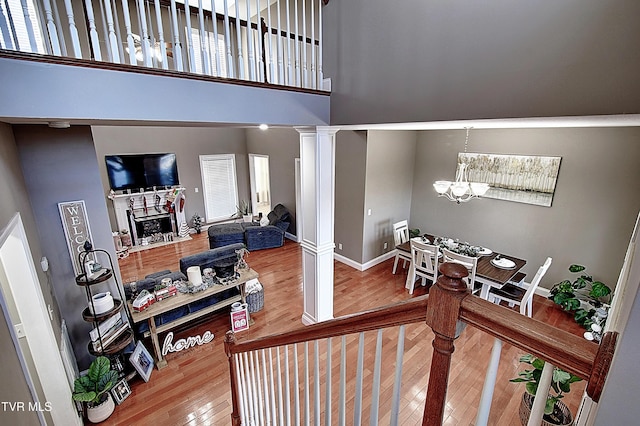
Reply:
x=461, y=190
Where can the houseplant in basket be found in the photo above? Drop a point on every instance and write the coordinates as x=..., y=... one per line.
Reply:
x=555, y=411
x=587, y=299
x=93, y=389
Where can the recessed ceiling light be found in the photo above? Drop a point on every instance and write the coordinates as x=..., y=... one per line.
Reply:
x=263, y=126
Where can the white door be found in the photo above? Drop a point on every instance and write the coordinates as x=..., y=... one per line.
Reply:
x=260, y=184
x=30, y=324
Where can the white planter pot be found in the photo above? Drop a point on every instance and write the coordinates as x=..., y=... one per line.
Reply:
x=247, y=217
x=102, y=302
x=101, y=412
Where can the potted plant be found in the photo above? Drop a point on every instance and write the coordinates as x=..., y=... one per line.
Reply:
x=93, y=389
x=595, y=294
x=197, y=222
x=244, y=210
x=555, y=411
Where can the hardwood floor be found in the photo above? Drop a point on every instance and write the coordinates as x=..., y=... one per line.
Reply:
x=194, y=388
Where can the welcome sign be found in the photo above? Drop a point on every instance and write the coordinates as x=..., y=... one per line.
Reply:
x=76, y=229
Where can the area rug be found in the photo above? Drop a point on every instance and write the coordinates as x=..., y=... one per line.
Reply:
x=150, y=246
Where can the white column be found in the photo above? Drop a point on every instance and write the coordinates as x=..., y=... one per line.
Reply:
x=317, y=158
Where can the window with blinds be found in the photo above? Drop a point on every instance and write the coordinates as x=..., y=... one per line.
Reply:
x=211, y=49
x=219, y=186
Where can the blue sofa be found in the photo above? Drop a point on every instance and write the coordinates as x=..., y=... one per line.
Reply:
x=254, y=236
x=205, y=259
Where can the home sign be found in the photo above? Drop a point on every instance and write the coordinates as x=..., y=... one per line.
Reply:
x=182, y=344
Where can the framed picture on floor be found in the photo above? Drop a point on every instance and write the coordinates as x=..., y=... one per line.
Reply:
x=142, y=361
x=120, y=391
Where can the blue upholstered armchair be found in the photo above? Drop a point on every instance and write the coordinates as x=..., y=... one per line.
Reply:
x=271, y=235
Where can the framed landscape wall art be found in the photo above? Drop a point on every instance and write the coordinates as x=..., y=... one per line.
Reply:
x=521, y=178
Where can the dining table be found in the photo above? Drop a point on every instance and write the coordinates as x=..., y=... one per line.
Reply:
x=487, y=274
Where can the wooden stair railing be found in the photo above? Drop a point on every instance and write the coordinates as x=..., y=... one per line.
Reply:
x=447, y=309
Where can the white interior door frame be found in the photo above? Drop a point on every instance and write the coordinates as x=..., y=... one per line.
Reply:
x=25, y=293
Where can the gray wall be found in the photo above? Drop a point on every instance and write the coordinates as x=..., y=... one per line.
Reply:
x=350, y=175
x=388, y=188
x=188, y=143
x=425, y=60
x=14, y=385
x=593, y=212
x=61, y=165
x=283, y=147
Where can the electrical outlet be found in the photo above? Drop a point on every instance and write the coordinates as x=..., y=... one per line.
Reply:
x=339, y=246
x=385, y=245
x=369, y=212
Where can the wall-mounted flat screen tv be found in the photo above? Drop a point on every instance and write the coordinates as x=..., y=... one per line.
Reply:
x=133, y=171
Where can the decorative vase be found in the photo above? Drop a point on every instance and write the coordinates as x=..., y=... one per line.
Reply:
x=561, y=411
x=247, y=217
x=100, y=413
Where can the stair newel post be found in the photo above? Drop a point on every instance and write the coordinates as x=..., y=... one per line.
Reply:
x=229, y=341
x=443, y=310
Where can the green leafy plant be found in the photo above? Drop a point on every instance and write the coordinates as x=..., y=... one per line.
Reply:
x=244, y=208
x=560, y=382
x=569, y=295
x=197, y=222
x=93, y=387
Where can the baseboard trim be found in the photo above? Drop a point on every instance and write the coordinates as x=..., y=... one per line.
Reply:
x=360, y=266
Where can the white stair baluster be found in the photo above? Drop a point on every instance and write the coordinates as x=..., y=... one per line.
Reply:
x=320, y=83
x=105, y=30
x=296, y=41
x=93, y=33
x=51, y=27
x=242, y=388
x=537, y=409
x=239, y=41
x=266, y=393
x=127, y=26
x=216, y=54
x=343, y=382
x=272, y=79
x=287, y=392
x=177, y=46
x=252, y=58
x=190, y=47
x=316, y=383
x=144, y=37
x=259, y=48
x=116, y=22
x=290, y=79
x=7, y=39
x=153, y=51
x=250, y=392
x=484, y=407
x=327, y=397
x=306, y=383
x=59, y=27
x=313, y=46
x=279, y=373
x=163, y=45
x=280, y=52
x=375, y=388
x=113, y=40
x=296, y=386
x=73, y=30
x=227, y=41
x=395, y=405
x=255, y=385
x=272, y=390
x=305, y=76
x=357, y=403
x=204, y=49
x=29, y=26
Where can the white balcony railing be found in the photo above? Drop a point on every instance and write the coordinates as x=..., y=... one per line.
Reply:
x=267, y=41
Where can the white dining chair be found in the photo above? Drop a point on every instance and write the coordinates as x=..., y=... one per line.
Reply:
x=401, y=235
x=520, y=295
x=424, y=264
x=470, y=262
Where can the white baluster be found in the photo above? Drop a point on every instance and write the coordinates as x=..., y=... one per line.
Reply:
x=537, y=409
x=290, y=79
x=279, y=373
x=252, y=58
x=73, y=31
x=296, y=387
x=144, y=37
x=177, y=46
x=343, y=382
x=29, y=26
x=250, y=393
x=327, y=395
x=163, y=45
x=7, y=40
x=216, y=54
x=153, y=52
x=357, y=403
x=259, y=50
x=255, y=386
x=272, y=392
x=375, y=391
x=93, y=33
x=242, y=388
x=204, y=49
x=116, y=22
x=113, y=40
x=305, y=75
x=489, y=384
x=105, y=29
x=272, y=78
x=51, y=27
x=239, y=41
x=313, y=46
x=190, y=48
x=297, y=46
x=306, y=383
x=395, y=406
x=281, y=79
x=127, y=26
x=316, y=383
x=287, y=392
x=267, y=394
x=59, y=28
x=320, y=73
x=227, y=41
